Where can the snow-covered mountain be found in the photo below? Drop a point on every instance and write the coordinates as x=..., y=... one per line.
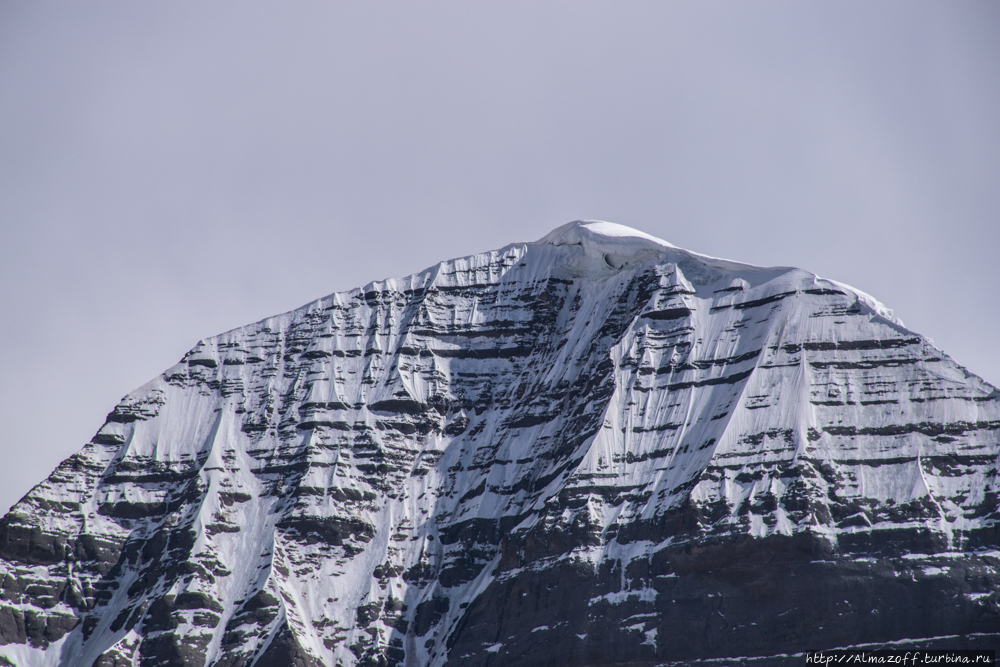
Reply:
x=594, y=449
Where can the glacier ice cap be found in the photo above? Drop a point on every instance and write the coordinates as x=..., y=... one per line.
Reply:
x=598, y=248
x=599, y=232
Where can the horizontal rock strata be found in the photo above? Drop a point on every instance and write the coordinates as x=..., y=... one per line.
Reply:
x=596, y=449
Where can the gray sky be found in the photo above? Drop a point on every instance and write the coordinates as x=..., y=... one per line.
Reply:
x=169, y=171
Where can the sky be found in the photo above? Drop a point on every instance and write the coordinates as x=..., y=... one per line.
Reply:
x=169, y=171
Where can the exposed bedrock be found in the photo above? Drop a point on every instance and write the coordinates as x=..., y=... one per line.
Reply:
x=726, y=597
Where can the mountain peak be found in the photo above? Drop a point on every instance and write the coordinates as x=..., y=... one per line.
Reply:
x=600, y=233
x=574, y=451
x=600, y=248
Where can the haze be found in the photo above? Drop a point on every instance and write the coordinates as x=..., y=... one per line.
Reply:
x=169, y=171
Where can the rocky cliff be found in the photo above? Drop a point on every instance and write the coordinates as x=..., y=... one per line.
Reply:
x=594, y=449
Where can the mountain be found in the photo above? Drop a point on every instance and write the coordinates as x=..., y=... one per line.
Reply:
x=594, y=449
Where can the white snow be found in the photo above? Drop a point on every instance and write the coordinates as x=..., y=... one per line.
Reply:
x=599, y=232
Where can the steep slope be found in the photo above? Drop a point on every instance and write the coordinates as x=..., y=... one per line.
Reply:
x=595, y=449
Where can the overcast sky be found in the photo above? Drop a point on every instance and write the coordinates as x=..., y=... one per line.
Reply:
x=169, y=171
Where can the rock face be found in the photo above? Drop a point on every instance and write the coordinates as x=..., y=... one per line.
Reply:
x=595, y=449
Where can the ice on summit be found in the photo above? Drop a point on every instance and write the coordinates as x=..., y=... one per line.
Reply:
x=599, y=232
x=595, y=249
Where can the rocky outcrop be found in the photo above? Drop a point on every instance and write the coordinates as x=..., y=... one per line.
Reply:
x=595, y=449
